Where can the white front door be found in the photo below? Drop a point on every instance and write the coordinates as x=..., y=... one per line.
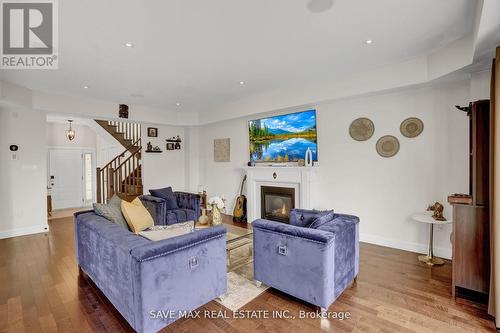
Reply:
x=66, y=178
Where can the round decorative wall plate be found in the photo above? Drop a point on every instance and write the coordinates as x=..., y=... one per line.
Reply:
x=411, y=127
x=361, y=129
x=387, y=146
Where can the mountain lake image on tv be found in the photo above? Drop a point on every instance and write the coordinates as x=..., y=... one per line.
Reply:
x=283, y=138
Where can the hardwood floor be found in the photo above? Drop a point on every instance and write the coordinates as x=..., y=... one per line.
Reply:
x=40, y=291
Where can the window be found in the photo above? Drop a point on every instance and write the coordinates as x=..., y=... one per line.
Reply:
x=87, y=171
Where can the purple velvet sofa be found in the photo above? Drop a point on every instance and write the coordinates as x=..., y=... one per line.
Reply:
x=150, y=282
x=173, y=207
x=312, y=259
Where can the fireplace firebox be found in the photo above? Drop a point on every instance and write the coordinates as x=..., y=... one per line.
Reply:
x=276, y=203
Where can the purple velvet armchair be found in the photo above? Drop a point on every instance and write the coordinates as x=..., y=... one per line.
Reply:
x=168, y=207
x=314, y=258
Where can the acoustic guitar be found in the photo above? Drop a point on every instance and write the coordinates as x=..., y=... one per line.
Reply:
x=240, y=209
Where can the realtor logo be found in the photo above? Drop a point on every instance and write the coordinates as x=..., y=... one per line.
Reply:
x=29, y=34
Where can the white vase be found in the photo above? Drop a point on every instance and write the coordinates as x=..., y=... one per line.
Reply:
x=203, y=220
x=309, y=157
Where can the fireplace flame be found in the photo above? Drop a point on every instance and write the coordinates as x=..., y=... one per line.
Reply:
x=283, y=210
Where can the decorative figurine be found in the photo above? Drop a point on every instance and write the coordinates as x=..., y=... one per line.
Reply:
x=174, y=139
x=149, y=146
x=437, y=208
x=123, y=111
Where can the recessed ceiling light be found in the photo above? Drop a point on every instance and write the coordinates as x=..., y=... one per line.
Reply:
x=128, y=44
x=178, y=104
x=368, y=41
x=320, y=6
x=85, y=87
x=242, y=83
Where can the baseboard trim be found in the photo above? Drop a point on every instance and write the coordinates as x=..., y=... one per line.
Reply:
x=402, y=245
x=36, y=229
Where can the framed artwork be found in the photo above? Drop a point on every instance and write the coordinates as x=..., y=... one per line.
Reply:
x=152, y=132
x=170, y=146
x=222, y=150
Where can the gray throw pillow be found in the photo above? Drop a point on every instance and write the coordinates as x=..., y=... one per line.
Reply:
x=112, y=211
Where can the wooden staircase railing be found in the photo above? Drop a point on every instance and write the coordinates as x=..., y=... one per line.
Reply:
x=124, y=132
x=122, y=175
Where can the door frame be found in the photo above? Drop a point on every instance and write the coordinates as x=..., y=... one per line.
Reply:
x=83, y=150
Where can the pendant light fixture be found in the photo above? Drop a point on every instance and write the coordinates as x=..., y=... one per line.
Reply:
x=70, y=133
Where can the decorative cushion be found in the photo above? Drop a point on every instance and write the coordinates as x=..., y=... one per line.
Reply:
x=167, y=194
x=305, y=217
x=137, y=216
x=322, y=219
x=159, y=232
x=112, y=211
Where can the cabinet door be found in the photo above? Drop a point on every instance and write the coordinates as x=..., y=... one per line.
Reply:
x=480, y=151
x=471, y=250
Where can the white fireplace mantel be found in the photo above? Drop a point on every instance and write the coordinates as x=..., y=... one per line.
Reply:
x=295, y=177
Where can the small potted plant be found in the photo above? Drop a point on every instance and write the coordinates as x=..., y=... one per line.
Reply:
x=216, y=205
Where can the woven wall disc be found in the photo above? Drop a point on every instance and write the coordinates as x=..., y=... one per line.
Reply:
x=387, y=146
x=361, y=129
x=411, y=127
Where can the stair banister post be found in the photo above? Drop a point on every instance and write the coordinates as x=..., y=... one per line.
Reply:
x=111, y=182
x=99, y=184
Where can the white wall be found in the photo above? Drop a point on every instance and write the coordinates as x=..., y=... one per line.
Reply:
x=353, y=178
x=167, y=168
x=56, y=136
x=192, y=159
x=107, y=150
x=23, y=182
x=480, y=85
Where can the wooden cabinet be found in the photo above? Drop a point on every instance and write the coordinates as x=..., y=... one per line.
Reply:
x=471, y=228
x=471, y=250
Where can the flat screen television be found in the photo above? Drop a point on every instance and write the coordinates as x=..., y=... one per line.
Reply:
x=283, y=138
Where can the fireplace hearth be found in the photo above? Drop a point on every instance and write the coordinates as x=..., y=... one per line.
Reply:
x=276, y=203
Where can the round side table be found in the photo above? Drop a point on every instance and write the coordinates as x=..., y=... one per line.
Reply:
x=426, y=217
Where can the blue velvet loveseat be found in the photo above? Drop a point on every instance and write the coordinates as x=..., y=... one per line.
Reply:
x=173, y=207
x=148, y=282
x=314, y=258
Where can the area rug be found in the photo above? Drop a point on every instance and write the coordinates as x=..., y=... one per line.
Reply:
x=240, y=291
x=241, y=287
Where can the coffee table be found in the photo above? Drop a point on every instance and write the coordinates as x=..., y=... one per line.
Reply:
x=237, y=237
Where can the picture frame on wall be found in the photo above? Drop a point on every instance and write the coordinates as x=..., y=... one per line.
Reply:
x=222, y=150
x=152, y=132
x=170, y=146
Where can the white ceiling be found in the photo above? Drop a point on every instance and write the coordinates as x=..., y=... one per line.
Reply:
x=197, y=52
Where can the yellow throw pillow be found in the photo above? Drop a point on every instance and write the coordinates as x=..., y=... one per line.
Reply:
x=136, y=215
